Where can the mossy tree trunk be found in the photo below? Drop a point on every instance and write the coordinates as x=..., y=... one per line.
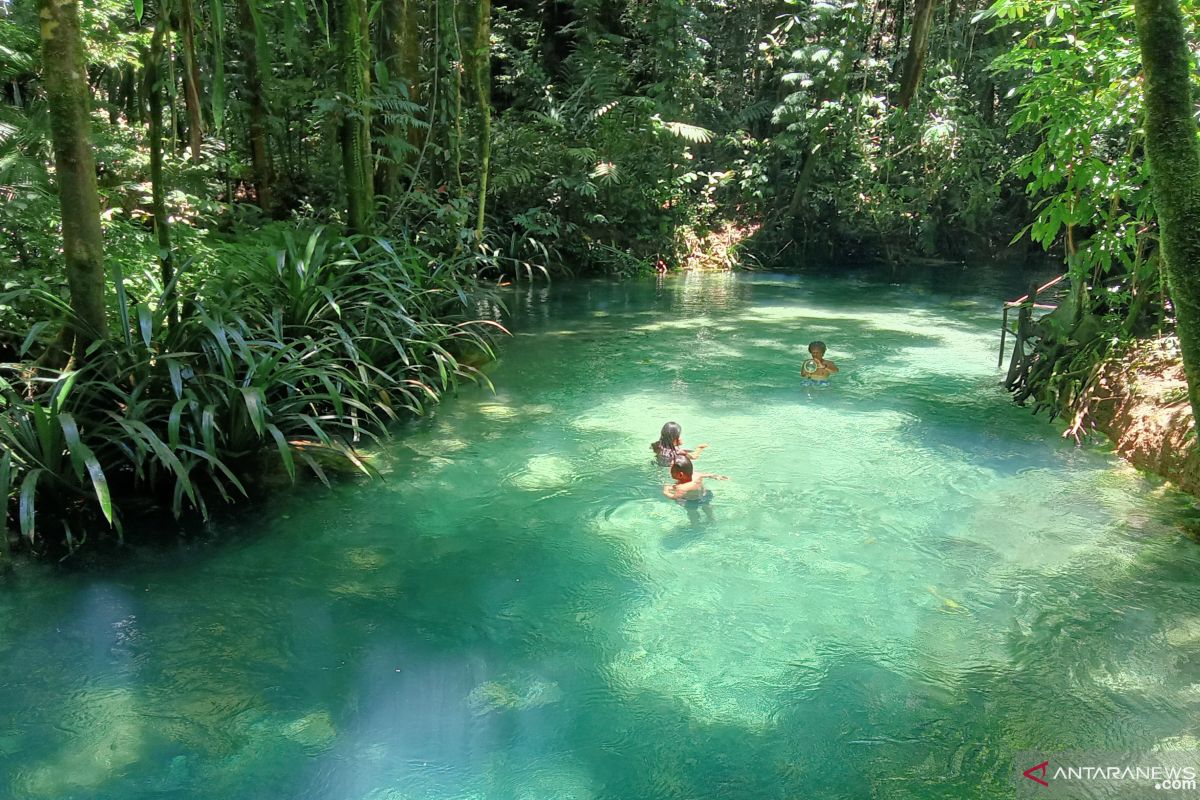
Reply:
x=191, y=77
x=402, y=56
x=411, y=69
x=1174, y=154
x=918, y=45
x=482, y=61
x=355, y=57
x=64, y=74
x=152, y=64
x=260, y=153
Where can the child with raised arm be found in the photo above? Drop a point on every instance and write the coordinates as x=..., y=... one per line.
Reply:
x=688, y=489
x=670, y=444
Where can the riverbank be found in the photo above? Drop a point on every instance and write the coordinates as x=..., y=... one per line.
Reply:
x=1139, y=400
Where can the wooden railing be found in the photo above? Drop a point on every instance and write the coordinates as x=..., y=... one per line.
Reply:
x=1021, y=301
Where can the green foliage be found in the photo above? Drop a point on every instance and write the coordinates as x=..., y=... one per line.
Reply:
x=1080, y=93
x=620, y=134
x=307, y=354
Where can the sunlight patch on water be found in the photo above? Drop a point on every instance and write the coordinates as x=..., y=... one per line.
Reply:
x=109, y=738
x=903, y=573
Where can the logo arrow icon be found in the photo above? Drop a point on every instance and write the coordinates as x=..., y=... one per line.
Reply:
x=1029, y=773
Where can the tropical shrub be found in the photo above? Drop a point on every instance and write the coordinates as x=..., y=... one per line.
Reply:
x=309, y=354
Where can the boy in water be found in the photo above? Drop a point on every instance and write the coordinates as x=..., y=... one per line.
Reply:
x=816, y=368
x=688, y=489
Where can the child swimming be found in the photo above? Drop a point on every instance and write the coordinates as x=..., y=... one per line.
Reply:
x=816, y=368
x=670, y=445
x=688, y=489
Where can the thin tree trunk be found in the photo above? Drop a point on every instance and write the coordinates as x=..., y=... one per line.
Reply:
x=356, y=121
x=402, y=56
x=914, y=59
x=455, y=121
x=260, y=154
x=411, y=70
x=191, y=77
x=152, y=62
x=392, y=55
x=64, y=76
x=133, y=111
x=1174, y=156
x=112, y=85
x=483, y=88
x=898, y=35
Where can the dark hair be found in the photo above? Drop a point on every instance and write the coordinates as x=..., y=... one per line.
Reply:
x=670, y=433
x=682, y=464
x=664, y=448
x=817, y=343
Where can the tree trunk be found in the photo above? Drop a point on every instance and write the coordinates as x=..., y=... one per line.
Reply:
x=355, y=68
x=401, y=55
x=454, y=121
x=133, y=110
x=191, y=77
x=914, y=59
x=152, y=62
x=483, y=88
x=898, y=34
x=260, y=154
x=64, y=76
x=1174, y=156
x=411, y=70
x=112, y=86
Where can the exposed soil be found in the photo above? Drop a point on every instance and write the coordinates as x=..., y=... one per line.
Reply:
x=1139, y=400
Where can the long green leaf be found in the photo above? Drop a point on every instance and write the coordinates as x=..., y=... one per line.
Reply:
x=27, y=506
x=285, y=450
x=63, y=389
x=255, y=403
x=5, y=488
x=173, y=422
x=31, y=337
x=81, y=453
x=145, y=324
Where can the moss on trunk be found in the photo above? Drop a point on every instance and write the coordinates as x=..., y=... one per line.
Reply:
x=152, y=61
x=1174, y=155
x=918, y=45
x=66, y=86
x=355, y=59
x=260, y=153
x=191, y=77
x=482, y=61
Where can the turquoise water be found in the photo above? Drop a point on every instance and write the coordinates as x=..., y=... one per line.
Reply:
x=907, y=581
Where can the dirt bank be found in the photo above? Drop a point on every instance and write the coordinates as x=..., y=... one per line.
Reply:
x=1139, y=401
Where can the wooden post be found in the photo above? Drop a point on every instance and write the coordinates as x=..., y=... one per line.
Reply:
x=1018, y=364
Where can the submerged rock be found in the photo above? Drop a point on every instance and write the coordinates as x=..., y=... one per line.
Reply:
x=512, y=696
x=543, y=472
x=313, y=730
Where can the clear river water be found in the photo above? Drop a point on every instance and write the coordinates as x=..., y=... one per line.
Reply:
x=906, y=582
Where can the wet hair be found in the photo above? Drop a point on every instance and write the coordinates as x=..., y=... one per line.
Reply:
x=664, y=448
x=818, y=344
x=670, y=434
x=682, y=464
